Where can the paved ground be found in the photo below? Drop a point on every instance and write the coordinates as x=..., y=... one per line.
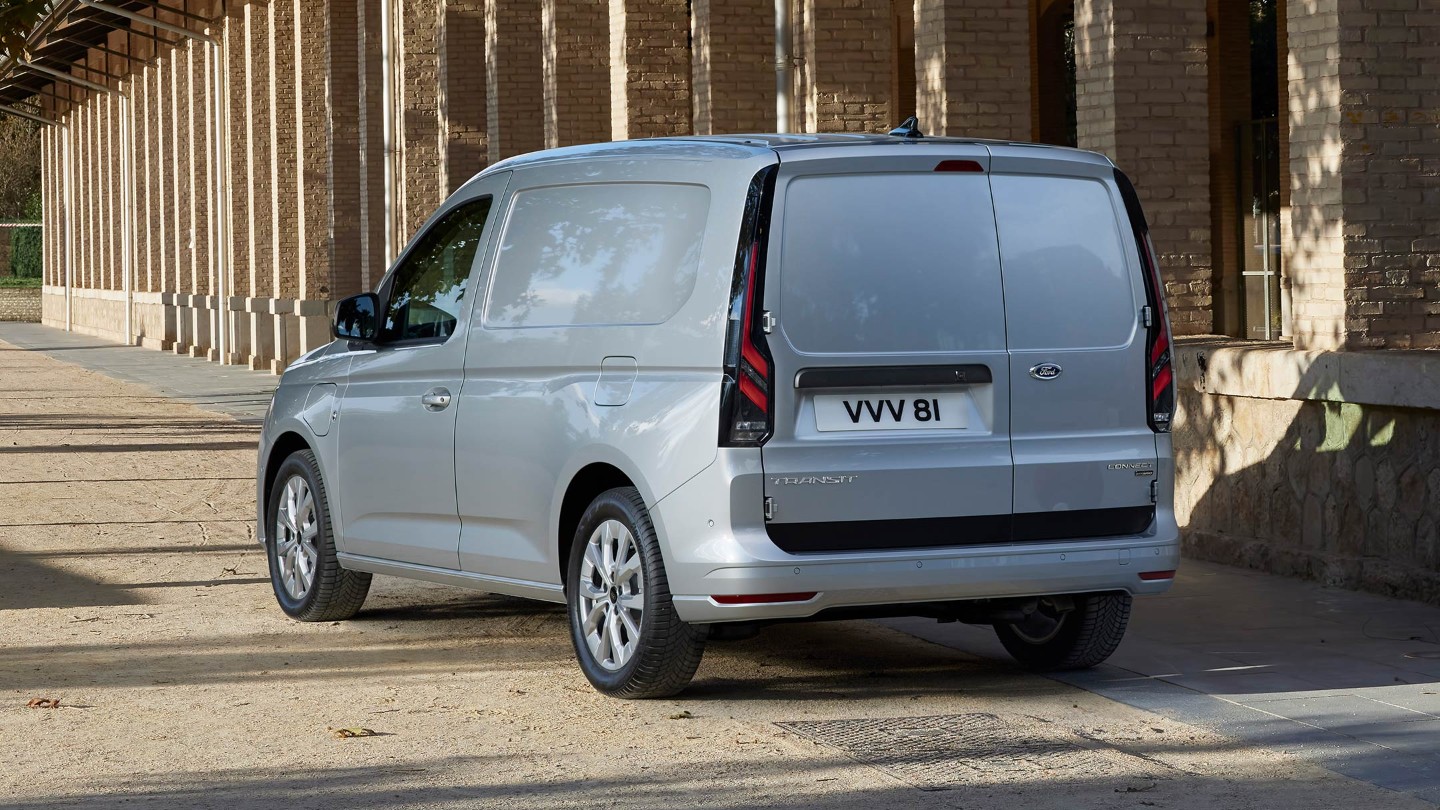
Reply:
x=130, y=589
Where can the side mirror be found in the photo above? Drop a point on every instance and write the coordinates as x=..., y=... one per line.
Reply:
x=355, y=317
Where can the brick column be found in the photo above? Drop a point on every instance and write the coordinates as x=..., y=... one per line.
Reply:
x=972, y=68
x=649, y=68
x=421, y=132
x=514, y=77
x=1141, y=100
x=576, y=36
x=343, y=120
x=733, y=70
x=466, y=151
x=1364, y=265
x=849, y=65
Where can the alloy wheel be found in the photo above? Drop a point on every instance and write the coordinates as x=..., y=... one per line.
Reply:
x=611, y=594
x=297, y=529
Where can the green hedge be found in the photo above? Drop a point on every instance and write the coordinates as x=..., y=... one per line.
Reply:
x=25, y=252
x=26, y=244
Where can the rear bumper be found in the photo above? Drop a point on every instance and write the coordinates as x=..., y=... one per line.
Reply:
x=707, y=556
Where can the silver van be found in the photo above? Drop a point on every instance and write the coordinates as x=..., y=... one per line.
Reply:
x=694, y=386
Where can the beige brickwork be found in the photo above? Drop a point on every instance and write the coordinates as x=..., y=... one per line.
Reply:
x=467, y=149
x=848, y=83
x=1149, y=115
x=972, y=67
x=338, y=25
x=422, y=133
x=649, y=68
x=1364, y=138
x=576, y=59
x=514, y=73
x=733, y=70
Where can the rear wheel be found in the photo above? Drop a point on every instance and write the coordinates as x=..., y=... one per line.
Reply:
x=1052, y=639
x=628, y=640
x=309, y=583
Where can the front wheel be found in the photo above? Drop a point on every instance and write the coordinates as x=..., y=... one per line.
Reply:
x=1052, y=639
x=628, y=640
x=309, y=583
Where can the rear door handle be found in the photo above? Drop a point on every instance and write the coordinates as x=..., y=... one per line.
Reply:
x=436, y=399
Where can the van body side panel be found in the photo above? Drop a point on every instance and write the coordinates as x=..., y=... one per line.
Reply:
x=885, y=282
x=395, y=462
x=1085, y=456
x=530, y=412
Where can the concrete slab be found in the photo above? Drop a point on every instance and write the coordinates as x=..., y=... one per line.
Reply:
x=1350, y=681
x=232, y=390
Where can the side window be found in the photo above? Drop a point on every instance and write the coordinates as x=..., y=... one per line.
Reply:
x=590, y=255
x=428, y=289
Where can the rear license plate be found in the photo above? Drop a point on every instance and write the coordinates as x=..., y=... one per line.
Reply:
x=896, y=411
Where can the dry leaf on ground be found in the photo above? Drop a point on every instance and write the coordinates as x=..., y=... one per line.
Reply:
x=345, y=733
x=43, y=703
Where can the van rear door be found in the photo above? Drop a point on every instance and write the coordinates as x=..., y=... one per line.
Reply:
x=1075, y=306
x=890, y=388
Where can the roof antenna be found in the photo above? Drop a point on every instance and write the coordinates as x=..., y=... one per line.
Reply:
x=909, y=129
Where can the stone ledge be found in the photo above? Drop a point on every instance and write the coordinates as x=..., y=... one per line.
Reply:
x=1235, y=368
x=1372, y=574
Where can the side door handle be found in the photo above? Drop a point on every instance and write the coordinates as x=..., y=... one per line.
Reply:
x=436, y=399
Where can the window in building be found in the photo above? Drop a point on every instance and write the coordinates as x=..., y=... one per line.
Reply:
x=1053, y=59
x=1258, y=185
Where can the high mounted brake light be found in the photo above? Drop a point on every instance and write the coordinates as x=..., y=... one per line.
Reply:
x=746, y=393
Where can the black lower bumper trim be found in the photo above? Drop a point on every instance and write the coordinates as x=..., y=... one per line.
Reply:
x=974, y=530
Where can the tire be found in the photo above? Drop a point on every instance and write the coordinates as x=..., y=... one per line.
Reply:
x=653, y=657
x=1077, y=639
x=330, y=593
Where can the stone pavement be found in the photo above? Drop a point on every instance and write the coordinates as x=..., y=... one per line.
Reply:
x=232, y=390
x=1349, y=681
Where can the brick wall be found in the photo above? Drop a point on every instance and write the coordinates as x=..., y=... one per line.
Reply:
x=1149, y=115
x=733, y=66
x=649, y=68
x=1365, y=168
x=972, y=66
x=467, y=150
x=514, y=73
x=20, y=304
x=576, y=60
x=849, y=76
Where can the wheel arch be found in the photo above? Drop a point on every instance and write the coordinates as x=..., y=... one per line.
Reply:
x=585, y=485
x=284, y=446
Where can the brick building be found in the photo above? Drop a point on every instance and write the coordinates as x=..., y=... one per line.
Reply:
x=217, y=171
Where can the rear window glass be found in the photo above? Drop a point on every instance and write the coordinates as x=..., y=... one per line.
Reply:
x=890, y=263
x=589, y=255
x=1066, y=281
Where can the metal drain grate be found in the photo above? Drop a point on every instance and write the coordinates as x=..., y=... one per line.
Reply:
x=953, y=750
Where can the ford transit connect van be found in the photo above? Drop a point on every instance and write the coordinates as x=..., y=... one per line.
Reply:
x=693, y=386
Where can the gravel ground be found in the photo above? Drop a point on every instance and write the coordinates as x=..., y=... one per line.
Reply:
x=131, y=591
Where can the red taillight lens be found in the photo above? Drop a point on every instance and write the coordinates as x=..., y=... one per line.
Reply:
x=959, y=166
x=745, y=400
x=1161, y=371
x=1156, y=576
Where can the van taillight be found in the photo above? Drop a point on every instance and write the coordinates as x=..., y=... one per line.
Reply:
x=745, y=398
x=1161, y=370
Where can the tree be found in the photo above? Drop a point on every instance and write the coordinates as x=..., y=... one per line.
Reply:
x=17, y=19
x=19, y=166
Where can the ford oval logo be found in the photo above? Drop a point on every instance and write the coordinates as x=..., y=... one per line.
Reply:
x=1045, y=371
